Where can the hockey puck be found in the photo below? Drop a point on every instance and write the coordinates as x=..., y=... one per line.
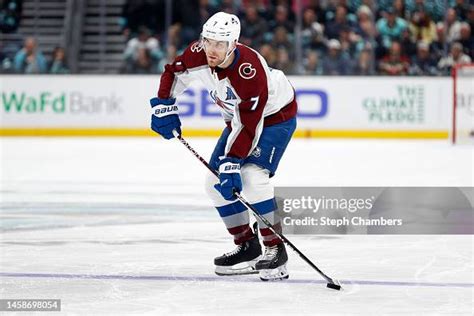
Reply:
x=334, y=286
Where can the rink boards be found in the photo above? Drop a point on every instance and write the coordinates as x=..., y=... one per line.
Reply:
x=101, y=105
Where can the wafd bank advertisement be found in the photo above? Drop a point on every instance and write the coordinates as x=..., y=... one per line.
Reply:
x=328, y=106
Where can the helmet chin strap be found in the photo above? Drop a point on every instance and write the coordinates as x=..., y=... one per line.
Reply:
x=228, y=54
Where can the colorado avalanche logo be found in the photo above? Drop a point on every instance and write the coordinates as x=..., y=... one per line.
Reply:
x=219, y=102
x=256, y=152
x=246, y=71
x=196, y=47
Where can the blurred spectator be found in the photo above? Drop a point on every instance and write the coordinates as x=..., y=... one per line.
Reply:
x=394, y=64
x=462, y=8
x=423, y=64
x=391, y=27
x=365, y=65
x=148, y=13
x=365, y=27
x=467, y=40
x=400, y=9
x=29, y=60
x=354, y=5
x=346, y=39
x=186, y=14
x=143, y=64
x=283, y=61
x=206, y=10
x=318, y=10
x=281, y=39
x=253, y=27
x=365, y=33
x=173, y=36
x=422, y=27
x=312, y=33
x=281, y=20
x=171, y=54
x=58, y=64
x=6, y=65
x=263, y=8
x=8, y=50
x=438, y=45
x=470, y=17
x=334, y=63
x=408, y=45
x=133, y=51
x=340, y=22
x=186, y=18
x=290, y=5
x=455, y=57
x=261, y=5
x=312, y=64
x=267, y=52
x=453, y=26
x=10, y=14
x=333, y=5
x=228, y=6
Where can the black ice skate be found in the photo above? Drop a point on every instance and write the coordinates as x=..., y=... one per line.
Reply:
x=240, y=261
x=272, y=266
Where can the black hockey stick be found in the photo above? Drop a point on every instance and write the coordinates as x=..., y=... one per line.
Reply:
x=332, y=283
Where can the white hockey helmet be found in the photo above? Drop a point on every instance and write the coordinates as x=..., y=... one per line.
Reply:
x=222, y=27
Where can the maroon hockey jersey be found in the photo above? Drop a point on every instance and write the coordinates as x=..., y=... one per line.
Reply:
x=250, y=94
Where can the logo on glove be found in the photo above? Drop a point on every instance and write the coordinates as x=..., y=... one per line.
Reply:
x=160, y=110
x=166, y=109
x=257, y=152
x=231, y=167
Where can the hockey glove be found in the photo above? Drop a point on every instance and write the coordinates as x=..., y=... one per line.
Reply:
x=165, y=117
x=229, y=178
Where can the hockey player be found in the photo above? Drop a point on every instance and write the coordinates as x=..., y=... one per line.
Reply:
x=258, y=106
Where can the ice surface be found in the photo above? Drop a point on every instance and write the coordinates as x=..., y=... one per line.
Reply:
x=122, y=226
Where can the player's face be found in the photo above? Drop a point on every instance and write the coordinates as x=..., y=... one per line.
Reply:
x=215, y=51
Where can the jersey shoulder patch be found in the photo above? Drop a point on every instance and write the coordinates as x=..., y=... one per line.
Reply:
x=247, y=71
x=248, y=76
x=194, y=56
x=249, y=63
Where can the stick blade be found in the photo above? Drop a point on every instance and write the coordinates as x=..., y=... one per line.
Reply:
x=335, y=285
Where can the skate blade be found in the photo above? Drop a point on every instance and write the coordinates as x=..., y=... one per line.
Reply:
x=238, y=269
x=277, y=274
